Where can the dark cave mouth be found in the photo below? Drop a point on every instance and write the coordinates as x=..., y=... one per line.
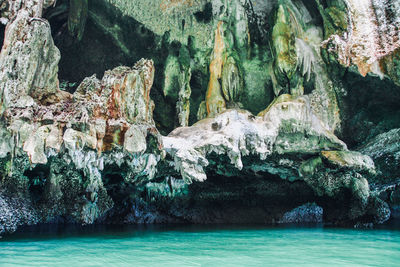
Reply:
x=369, y=114
x=38, y=177
x=264, y=198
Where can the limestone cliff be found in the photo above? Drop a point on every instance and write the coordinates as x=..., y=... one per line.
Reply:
x=243, y=111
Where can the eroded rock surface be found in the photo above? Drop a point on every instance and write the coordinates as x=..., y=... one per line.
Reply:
x=372, y=37
x=288, y=127
x=307, y=213
x=255, y=98
x=15, y=212
x=29, y=63
x=57, y=145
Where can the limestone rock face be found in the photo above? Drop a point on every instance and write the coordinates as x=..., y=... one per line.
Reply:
x=96, y=155
x=15, y=212
x=328, y=181
x=106, y=122
x=287, y=127
x=60, y=144
x=384, y=149
x=29, y=63
x=10, y=8
x=276, y=143
x=122, y=93
x=177, y=17
x=372, y=35
x=307, y=213
x=98, y=115
x=349, y=159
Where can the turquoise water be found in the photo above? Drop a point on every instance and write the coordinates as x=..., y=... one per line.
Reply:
x=201, y=246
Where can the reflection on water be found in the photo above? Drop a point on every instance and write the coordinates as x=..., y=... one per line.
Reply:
x=184, y=245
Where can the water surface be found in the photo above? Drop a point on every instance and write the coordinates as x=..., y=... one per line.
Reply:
x=203, y=246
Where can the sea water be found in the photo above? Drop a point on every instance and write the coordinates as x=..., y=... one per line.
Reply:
x=202, y=246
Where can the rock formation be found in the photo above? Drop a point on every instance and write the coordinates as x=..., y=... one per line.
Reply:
x=373, y=35
x=259, y=115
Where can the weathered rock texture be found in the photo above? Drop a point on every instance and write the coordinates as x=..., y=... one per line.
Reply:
x=10, y=8
x=372, y=38
x=14, y=213
x=307, y=213
x=257, y=105
x=29, y=63
x=56, y=144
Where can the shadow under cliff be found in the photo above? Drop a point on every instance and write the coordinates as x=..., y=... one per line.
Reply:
x=372, y=107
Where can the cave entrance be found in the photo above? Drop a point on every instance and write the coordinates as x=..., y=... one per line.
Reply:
x=38, y=177
x=249, y=199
